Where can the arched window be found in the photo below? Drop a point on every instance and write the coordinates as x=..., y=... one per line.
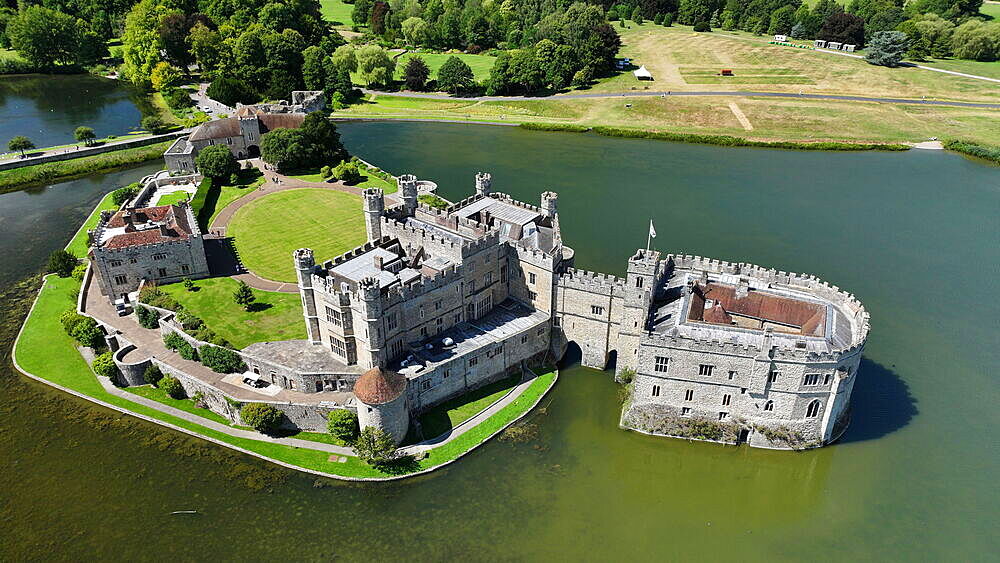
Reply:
x=769, y=406
x=813, y=409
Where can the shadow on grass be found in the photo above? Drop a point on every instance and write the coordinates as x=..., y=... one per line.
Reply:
x=400, y=466
x=257, y=307
x=435, y=423
x=881, y=403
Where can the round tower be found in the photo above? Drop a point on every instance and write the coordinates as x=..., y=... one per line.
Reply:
x=381, y=396
x=549, y=204
x=408, y=192
x=371, y=302
x=304, y=264
x=374, y=205
x=484, y=182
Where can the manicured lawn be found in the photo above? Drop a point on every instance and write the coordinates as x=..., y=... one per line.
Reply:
x=269, y=229
x=321, y=437
x=78, y=246
x=367, y=180
x=172, y=198
x=47, y=352
x=450, y=414
x=218, y=200
x=336, y=12
x=276, y=316
x=186, y=405
x=481, y=65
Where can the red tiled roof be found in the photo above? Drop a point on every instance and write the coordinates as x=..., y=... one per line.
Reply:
x=377, y=386
x=140, y=215
x=172, y=217
x=809, y=317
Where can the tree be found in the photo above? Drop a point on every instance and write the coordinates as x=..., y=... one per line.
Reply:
x=843, y=28
x=243, y=296
x=216, y=162
x=20, y=143
x=781, y=21
x=85, y=135
x=282, y=148
x=152, y=375
x=347, y=172
x=657, y=19
x=977, y=40
x=171, y=386
x=715, y=21
x=887, y=48
x=637, y=16
x=104, y=365
x=153, y=124
x=690, y=12
x=415, y=73
x=668, y=20
x=229, y=91
x=314, y=68
x=43, y=36
x=415, y=30
x=375, y=65
x=361, y=12
x=221, y=360
x=375, y=446
x=62, y=263
x=141, y=43
x=454, y=75
x=342, y=424
x=188, y=284
x=124, y=193
x=206, y=46
x=164, y=75
x=261, y=417
x=173, y=31
x=377, y=17
x=345, y=57
x=320, y=141
x=702, y=26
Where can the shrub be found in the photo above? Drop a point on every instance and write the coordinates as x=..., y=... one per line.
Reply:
x=188, y=321
x=347, y=172
x=342, y=424
x=188, y=352
x=432, y=201
x=216, y=162
x=148, y=318
x=221, y=360
x=172, y=386
x=62, y=263
x=173, y=341
x=79, y=271
x=261, y=417
x=206, y=187
x=153, y=124
x=188, y=284
x=70, y=319
x=375, y=446
x=152, y=295
x=87, y=333
x=974, y=149
x=125, y=193
x=702, y=26
x=104, y=365
x=152, y=375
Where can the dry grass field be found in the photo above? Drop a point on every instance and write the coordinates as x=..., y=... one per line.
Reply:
x=680, y=59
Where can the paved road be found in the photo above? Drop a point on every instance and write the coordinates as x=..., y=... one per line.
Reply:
x=650, y=93
x=202, y=100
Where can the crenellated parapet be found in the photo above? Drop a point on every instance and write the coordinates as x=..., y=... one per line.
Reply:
x=423, y=286
x=594, y=282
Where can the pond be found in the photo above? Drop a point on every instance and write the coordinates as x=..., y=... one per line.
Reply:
x=48, y=108
x=913, y=235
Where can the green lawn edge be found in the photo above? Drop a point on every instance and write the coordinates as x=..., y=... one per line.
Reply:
x=45, y=353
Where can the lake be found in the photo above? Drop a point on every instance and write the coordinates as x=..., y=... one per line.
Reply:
x=48, y=108
x=914, y=235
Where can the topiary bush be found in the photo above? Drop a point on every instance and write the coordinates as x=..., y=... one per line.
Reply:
x=702, y=26
x=148, y=318
x=342, y=424
x=62, y=263
x=172, y=386
x=222, y=360
x=104, y=365
x=261, y=417
x=152, y=375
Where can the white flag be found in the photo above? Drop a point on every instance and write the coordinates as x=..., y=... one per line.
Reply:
x=652, y=231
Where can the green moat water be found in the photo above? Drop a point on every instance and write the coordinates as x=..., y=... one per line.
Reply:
x=914, y=235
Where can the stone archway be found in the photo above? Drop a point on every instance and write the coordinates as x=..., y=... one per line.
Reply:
x=253, y=151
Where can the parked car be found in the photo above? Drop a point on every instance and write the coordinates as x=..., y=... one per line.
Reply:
x=121, y=306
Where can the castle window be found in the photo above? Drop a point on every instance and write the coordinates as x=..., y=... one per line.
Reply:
x=229, y=140
x=423, y=331
x=556, y=321
x=457, y=318
x=773, y=376
x=473, y=361
x=250, y=135
x=726, y=399
x=503, y=274
x=338, y=347
x=115, y=263
x=437, y=305
x=541, y=330
x=813, y=409
x=531, y=277
x=439, y=321
x=162, y=272
x=159, y=256
x=425, y=385
x=662, y=363
x=826, y=379
x=334, y=317
x=447, y=373
x=532, y=295
x=686, y=411
x=656, y=390
x=185, y=269
x=597, y=309
x=488, y=278
x=319, y=386
x=723, y=415
x=421, y=312
x=811, y=379
x=132, y=260
x=391, y=321
x=472, y=266
x=121, y=279
x=743, y=391
x=689, y=395
x=638, y=282
x=732, y=374
x=769, y=406
x=705, y=369
x=524, y=339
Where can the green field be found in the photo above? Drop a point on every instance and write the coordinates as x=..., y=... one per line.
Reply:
x=450, y=414
x=217, y=200
x=172, y=198
x=367, y=180
x=275, y=316
x=186, y=405
x=78, y=246
x=336, y=12
x=269, y=229
x=480, y=64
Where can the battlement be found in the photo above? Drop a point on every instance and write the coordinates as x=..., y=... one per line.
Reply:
x=536, y=257
x=354, y=252
x=507, y=198
x=464, y=202
x=700, y=345
x=596, y=282
x=424, y=285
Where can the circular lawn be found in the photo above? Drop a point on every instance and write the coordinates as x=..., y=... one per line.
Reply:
x=267, y=230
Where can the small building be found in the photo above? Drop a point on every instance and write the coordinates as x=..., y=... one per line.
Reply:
x=819, y=44
x=642, y=74
x=726, y=72
x=849, y=48
x=781, y=38
x=833, y=45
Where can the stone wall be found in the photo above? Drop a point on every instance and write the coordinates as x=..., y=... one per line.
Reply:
x=589, y=307
x=391, y=417
x=89, y=151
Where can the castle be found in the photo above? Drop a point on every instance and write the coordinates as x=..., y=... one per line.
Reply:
x=439, y=302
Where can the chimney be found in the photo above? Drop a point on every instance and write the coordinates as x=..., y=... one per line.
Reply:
x=742, y=288
x=127, y=218
x=164, y=231
x=378, y=263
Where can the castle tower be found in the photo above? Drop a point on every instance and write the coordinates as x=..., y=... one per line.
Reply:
x=484, y=183
x=408, y=191
x=371, y=311
x=549, y=204
x=249, y=125
x=304, y=264
x=640, y=287
x=381, y=396
x=374, y=205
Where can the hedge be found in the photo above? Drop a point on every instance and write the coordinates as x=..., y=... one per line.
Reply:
x=567, y=127
x=198, y=201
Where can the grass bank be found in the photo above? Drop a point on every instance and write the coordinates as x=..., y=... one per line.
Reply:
x=730, y=141
x=450, y=414
x=78, y=245
x=985, y=152
x=48, y=172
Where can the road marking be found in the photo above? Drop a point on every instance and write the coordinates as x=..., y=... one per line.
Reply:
x=740, y=116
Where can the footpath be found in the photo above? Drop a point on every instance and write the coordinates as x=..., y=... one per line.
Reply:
x=69, y=153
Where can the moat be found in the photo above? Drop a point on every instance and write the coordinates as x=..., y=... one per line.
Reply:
x=914, y=235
